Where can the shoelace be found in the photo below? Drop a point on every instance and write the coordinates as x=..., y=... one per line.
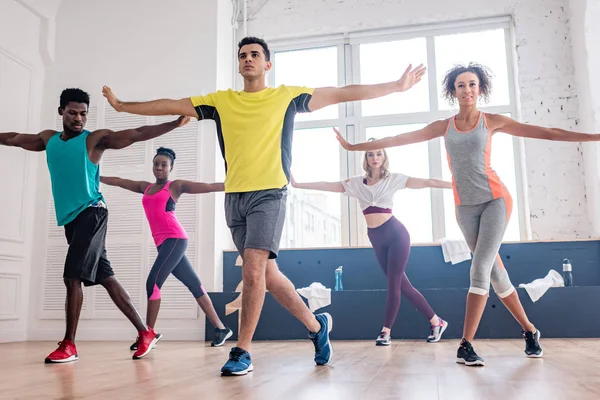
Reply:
x=317, y=344
x=235, y=356
x=62, y=345
x=529, y=339
x=469, y=348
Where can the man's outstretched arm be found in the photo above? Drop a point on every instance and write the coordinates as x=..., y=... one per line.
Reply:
x=121, y=139
x=323, y=97
x=183, y=107
x=26, y=141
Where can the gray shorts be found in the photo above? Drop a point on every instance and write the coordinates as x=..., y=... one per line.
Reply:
x=256, y=219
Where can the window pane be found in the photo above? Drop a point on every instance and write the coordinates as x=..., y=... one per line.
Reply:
x=313, y=218
x=385, y=62
x=503, y=162
x=309, y=67
x=412, y=207
x=485, y=47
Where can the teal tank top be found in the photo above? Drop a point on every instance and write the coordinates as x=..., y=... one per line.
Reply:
x=75, y=179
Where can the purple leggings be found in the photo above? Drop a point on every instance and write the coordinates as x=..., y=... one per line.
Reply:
x=391, y=243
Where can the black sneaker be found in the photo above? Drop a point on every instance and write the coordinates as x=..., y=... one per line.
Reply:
x=133, y=347
x=221, y=335
x=383, y=339
x=466, y=355
x=532, y=344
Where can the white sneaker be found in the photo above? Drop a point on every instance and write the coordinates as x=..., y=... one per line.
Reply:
x=437, y=331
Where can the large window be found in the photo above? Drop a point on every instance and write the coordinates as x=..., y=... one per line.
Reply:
x=328, y=219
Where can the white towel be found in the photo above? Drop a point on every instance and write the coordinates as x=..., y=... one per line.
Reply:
x=318, y=295
x=455, y=250
x=538, y=287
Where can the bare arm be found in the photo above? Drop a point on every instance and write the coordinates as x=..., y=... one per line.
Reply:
x=121, y=139
x=323, y=186
x=181, y=107
x=501, y=123
x=134, y=186
x=31, y=142
x=326, y=96
x=431, y=131
x=190, y=187
x=418, y=183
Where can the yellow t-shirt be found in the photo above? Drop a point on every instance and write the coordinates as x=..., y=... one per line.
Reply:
x=255, y=133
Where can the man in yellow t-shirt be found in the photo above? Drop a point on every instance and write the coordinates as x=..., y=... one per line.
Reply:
x=254, y=128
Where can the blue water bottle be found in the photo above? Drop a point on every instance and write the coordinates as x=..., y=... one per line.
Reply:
x=338, y=279
x=567, y=272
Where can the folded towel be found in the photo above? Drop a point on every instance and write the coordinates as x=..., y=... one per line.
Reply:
x=318, y=295
x=455, y=250
x=538, y=287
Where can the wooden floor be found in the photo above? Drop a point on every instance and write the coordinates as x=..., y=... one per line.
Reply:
x=285, y=370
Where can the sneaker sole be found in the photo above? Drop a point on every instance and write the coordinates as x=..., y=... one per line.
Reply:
x=477, y=363
x=230, y=334
x=383, y=344
x=238, y=373
x=441, y=333
x=329, y=329
x=152, y=345
x=66, y=360
x=536, y=355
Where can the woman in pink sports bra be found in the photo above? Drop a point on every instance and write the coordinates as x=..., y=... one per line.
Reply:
x=159, y=200
x=483, y=205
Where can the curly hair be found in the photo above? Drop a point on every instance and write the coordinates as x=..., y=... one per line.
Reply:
x=483, y=73
x=73, y=95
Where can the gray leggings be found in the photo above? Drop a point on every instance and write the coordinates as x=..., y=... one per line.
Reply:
x=483, y=227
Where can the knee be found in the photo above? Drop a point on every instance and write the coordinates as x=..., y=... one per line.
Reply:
x=254, y=278
x=502, y=285
x=272, y=275
x=255, y=268
x=152, y=291
x=270, y=282
x=479, y=285
x=72, y=284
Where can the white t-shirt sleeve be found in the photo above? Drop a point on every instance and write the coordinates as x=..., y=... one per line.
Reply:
x=352, y=186
x=398, y=181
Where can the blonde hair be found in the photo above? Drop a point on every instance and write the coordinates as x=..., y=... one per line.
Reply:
x=385, y=172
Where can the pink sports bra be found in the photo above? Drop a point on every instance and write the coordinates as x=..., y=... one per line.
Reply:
x=160, y=212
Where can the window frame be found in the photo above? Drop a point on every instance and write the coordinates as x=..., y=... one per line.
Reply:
x=354, y=125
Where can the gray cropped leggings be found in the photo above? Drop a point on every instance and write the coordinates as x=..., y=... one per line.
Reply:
x=483, y=227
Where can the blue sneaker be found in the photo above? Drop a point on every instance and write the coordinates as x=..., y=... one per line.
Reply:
x=239, y=363
x=323, y=349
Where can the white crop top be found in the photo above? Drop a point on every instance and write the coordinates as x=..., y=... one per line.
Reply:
x=379, y=195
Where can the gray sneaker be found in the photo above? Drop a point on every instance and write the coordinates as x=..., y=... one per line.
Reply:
x=383, y=339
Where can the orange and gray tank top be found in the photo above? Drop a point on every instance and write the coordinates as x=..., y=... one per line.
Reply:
x=469, y=157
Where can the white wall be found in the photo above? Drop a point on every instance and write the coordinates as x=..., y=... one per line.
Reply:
x=557, y=195
x=144, y=49
x=583, y=16
x=22, y=40
x=149, y=49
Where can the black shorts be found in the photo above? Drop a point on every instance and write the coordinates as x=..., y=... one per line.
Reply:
x=86, y=257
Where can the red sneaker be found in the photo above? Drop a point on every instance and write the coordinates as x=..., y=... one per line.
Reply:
x=66, y=352
x=146, y=341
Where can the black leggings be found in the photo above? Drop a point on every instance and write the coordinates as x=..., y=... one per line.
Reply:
x=172, y=260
